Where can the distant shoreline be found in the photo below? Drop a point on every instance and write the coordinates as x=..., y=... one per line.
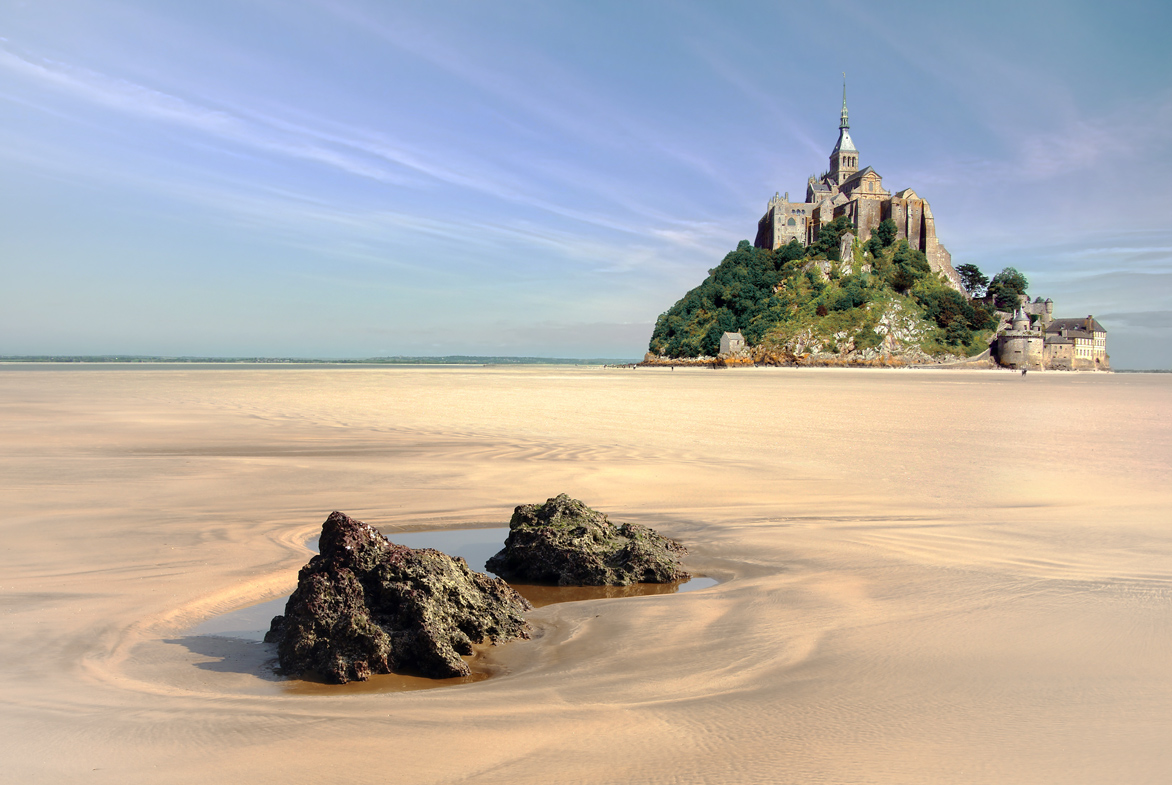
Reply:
x=455, y=359
x=449, y=360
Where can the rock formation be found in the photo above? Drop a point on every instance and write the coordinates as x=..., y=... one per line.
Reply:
x=564, y=542
x=365, y=605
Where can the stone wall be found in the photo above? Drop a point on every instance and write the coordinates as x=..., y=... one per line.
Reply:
x=1059, y=356
x=868, y=216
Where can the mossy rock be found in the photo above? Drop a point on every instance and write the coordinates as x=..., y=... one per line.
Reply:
x=365, y=605
x=565, y=543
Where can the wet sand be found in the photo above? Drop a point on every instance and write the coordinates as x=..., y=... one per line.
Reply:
x=936, y=576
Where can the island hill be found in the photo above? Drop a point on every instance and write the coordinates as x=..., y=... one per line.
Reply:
x=855, y=275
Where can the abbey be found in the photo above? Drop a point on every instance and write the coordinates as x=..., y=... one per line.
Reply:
x=858, y=194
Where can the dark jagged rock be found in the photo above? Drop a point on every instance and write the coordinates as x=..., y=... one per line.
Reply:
x=564, y=542
x=365, y=605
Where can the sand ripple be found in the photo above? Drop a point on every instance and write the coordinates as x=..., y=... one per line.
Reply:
x=926, y=577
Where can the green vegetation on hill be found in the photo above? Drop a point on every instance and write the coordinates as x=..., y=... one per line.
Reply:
x=780, y=299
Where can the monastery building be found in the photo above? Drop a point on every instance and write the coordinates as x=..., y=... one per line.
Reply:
x=859, y=195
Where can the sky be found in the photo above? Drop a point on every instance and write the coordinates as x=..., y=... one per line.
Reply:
x=342, y=178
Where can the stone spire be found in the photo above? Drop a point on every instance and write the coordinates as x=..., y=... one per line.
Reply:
x=844, y=123
x=844, y=161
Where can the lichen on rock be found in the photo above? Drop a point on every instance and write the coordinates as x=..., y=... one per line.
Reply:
x=365, y=605
x=565, y=543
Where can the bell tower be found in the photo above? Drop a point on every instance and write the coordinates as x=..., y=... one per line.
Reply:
x=844, y=161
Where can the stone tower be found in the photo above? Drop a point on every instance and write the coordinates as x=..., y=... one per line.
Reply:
x=844, y=160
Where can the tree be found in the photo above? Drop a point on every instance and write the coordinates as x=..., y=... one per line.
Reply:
x=973, y=280
x=710, y=346
x=829, y=235
x=945, y=306
x=886, y=231
x=908, y=266
x=956, y=334
x=790, y=252
x=884, y=236
x=851, y=295
x=1007, y=288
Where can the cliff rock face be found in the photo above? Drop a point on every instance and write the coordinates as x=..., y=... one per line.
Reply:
x=364, y=605
x=566, y=543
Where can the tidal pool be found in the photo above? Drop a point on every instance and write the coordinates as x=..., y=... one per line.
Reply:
x=475, y=546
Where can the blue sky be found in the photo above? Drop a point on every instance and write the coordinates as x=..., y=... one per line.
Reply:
x=350, y=179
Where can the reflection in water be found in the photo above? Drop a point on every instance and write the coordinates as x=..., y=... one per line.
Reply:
x=249, y=623
x=475, y=546
x=310, y=684
x=541, y=596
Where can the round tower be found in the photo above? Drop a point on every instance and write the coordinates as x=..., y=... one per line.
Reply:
x=1021, y=346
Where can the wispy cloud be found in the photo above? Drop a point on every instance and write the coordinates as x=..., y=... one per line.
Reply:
x=349, y=149
x=1152, y=320
x=543, y=90
x=1123, y=137
x=1108, y=146
x=712, y=41
x=406, y=240
x=116, y=93
x=263, y=134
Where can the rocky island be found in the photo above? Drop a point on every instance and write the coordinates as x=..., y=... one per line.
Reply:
x=365, y=605
x=855, y=275
x=565, y=543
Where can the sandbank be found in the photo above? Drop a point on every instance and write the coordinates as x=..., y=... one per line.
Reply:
x=926, y=576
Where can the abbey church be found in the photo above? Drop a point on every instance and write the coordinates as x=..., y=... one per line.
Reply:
x=858, y=194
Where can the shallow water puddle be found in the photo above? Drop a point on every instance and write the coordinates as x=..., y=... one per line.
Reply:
x=475, y=546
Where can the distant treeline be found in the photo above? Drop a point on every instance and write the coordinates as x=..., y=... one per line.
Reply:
x=454, y=359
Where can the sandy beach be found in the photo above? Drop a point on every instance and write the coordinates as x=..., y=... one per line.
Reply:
x=926, y=576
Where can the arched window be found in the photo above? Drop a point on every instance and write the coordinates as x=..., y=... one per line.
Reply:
x=791, y=222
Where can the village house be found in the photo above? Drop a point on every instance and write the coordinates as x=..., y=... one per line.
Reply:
x=732, y=343
x=1036, y=340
